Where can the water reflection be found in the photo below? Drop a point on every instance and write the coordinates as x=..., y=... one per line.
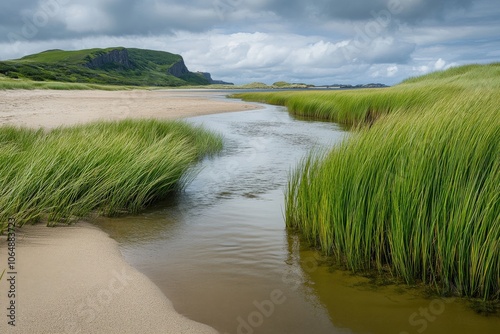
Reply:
x=356, y=303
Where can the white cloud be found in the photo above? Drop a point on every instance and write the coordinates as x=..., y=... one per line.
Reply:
x=392, y=71
x=440, y=64
x=421, y=69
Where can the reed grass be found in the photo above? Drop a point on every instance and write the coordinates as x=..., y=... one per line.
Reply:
x=362, y=106
x=416, y=193
x=103, y=167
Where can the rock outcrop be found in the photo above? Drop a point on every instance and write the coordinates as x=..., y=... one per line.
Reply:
x=208, y=76
x=178, y=69
x=114, y=57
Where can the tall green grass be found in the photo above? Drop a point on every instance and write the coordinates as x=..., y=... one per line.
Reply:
x=416, y=193
x=361, y=106
x=104, y=167
x=353, y=107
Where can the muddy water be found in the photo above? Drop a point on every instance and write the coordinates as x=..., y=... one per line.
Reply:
x=222, y=255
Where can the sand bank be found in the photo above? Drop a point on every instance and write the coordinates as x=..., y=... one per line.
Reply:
x=73, y=279
x=49, y=108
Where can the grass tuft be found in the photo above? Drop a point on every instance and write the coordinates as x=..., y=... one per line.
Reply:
x=104, y=167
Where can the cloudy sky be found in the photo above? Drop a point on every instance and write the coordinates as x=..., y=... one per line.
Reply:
x=313, y=41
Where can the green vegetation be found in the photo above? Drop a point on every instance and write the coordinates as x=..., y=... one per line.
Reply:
x=8, y=83
x=255, y=85
x=361, y=106
x=104, y=168
x=284, y=84
x=281, y=84
x=417, y=191
x=112, y=66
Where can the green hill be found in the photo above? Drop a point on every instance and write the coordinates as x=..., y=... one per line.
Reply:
x=112, y=66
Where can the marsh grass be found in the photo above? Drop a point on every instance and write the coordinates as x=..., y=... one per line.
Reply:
x=103, y=167
x=418, y=191
x=364, y=106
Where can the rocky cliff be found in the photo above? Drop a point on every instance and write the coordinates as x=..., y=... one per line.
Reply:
x=178, y=69
x=118, y=57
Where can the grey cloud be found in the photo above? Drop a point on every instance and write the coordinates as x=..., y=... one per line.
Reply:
x=408, y=11
x=379, y=51
x=149, y=17
x=123, y=17
x=31, y=20
x=390, y=52
x=26, y=20
x=11, y=10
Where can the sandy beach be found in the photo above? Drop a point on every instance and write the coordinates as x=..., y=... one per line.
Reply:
x=49, y=108
x=73, y=279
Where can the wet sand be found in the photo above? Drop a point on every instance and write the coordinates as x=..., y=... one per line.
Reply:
x=73, y=279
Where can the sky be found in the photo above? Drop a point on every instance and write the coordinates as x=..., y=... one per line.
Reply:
x=241, y=41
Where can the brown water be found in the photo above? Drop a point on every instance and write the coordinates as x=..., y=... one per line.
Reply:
x=222, y=255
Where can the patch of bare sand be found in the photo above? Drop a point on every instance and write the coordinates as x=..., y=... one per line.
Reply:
x=49, y=108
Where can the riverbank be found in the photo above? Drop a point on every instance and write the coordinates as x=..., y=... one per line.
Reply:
x=73, y=279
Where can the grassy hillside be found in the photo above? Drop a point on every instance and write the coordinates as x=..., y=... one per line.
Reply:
x=416, y=193
x=112, y=66
x=103, y=167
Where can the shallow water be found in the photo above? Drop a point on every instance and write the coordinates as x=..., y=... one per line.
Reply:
x=222, y=255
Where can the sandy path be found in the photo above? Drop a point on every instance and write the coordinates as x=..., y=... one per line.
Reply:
x=74, y=279
x=48, y=108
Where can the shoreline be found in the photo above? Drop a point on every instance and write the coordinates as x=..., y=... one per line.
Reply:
x=74, y=279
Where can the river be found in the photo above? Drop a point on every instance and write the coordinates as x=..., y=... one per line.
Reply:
x=221, y=253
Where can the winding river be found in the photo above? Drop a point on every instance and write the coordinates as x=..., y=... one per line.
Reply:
x=221, y=253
